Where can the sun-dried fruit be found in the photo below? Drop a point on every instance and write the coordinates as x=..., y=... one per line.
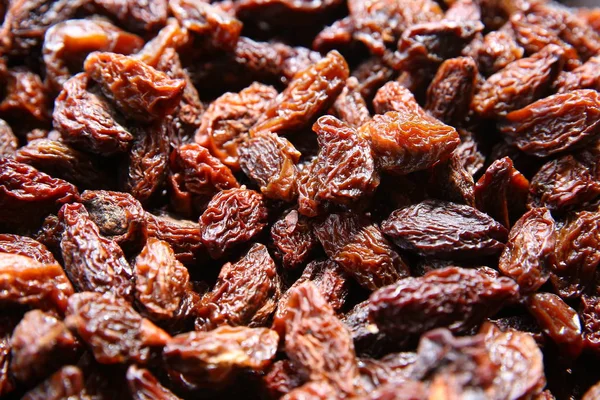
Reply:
x=28, y=282
x=140, y=91
x=585, y=77
x=137, y=15
x=407, y=139
x=519, y=83
x=530, y=249
x=25, y=246
x=450, y=180
x=555, y=123
x=371, y=75
x=86, y=120
x=281, y=378
x=227, y=120
x=206, y=359
x=246, y=292
x=8, y=141
x=590, y=322
x=316, y=341
x=67, y=382
x=293, y=239
x=558, y=321
x=182, y=235
x=452, y=297
x=92, y=262
x=144, y=386
x=501, y=192
x=494, y=51
x=67, y=43
x=232, y=217
x=40, y=344
x=113, y=330
x=350, y=106
x=25, y=97
x=444, y=229
x=311, y=92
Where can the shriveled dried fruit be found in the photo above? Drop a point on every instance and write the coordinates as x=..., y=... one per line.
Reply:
x=144, y=386
x=494, y=51
x=281, y=378
x=585, y=77
x=113, y=330
x=25, y=246
x=26, y=97
x=529, y=251
x=206, y=359
x=555, y=123
x=67, y=382
x=450, y=180
x=559, y=321
x=444, y=229
x=293, y=239
x=452, y=297
x=26, y=281
x=183, y=235
x=137, y=15
x=140, y=91
x=316, y=341
x=232, y=217
x=246, y=292
x=311, y=92
x=350, y=106
x=8, y=141
x=92, y=262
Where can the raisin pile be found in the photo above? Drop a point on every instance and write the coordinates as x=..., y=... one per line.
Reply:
x=299, y=200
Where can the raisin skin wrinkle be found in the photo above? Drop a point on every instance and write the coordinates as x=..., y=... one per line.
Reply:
x=457, y=298
x=444, y=229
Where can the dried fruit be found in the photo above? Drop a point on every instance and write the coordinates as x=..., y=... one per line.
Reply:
x=67, y=382
x=25, y=97
x=182, y=235
x=144, y=386
x=293, y=239
x=25, y=246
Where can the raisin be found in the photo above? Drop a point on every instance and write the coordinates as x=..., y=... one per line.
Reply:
x=350, y=106
x=26, y=281
x=59, y=160
x=112, y=329
x=144, y=386
x=140, y=91
x=316, y=341
x=529, y=250
x=195, y=177
x=585, y=77
x=590, y=318
x=226, y=121
x=118, y=215
x=368, y=341
x=361, y=250
x=281, y=378
x=311, y=92
x=137, y=15
x=26, y=96
x=494, y=51
x=182, y=235
x=40, y=344
x=232, y=217
x=444, y=229
x=315, y=390
x=558, y=321
x=7, y=383
x=452, y=297
x=8, y=141
x=577, y=254
x=170, y=37
x=92, y=262
x=450, y=180
x=407, y=139
x=87, y=121
x=519, y=83
x=293, y=239
x=371, y=75
x=400, y=390
x=449, y=94
x=206, y=359
x=592, y=393
x=469, y=153
x=555, y=123
x=26, y=194
x=246, y=292
x=67, y=43
x=67, y=382
x=501, y=192
x=563, y=184
x=24, y=246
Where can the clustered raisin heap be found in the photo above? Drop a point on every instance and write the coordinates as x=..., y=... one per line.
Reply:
x=325, y=199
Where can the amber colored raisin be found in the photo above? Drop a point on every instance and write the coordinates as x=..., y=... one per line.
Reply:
x=86, y=119
x=501, y=192
x=293, y=239
x=558, y=321
x=170, y=37
x=67, y=382
x=207, y=359
x=519, y=83
x=112, y=329
x=140, y=91
x=67, y=43
x=449, y=94
x=144, y=386
x=494, y=51
x=350, y=106
x=7, y=383
x=25, y=246
x=40, y=344
x=585, y=77
x=529, y=250
x=469, y=153
x=26, y=281
x=457, y=298
x=361, y=249
x=281, y=378
x=183, y=235
x=311, y=92
x=246, y=292
x=371, y=75
x=26, y=194
x=137, y=15
x=590, y=319
x=8, y=141
x=316, y=341
x=555, y=123
x=226, y=121
x=444, y=229
x=232, y=217
x=195, y=177
x=577, y=254
x=92, y=262
x=26, y=97
x=450, y=180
